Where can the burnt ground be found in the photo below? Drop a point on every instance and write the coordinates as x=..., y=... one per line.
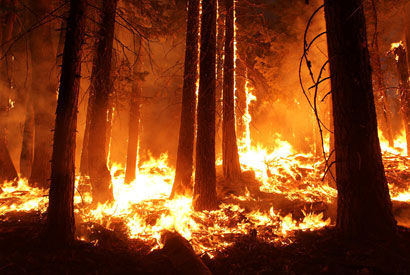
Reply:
x=23, y=252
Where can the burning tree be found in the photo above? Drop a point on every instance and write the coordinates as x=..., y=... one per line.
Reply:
x=379, y=87
x=205, y=175
x=364, y=206
x=134, y=117
x=231, y=165
x=101, y=88
x=184, y=165
x=404, y=88
x=43, y=90
x=60, y=219
x=7, y=16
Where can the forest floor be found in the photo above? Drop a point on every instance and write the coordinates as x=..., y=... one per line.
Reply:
x=322, y=251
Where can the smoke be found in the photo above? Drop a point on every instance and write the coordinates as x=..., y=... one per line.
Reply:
x=270, y=45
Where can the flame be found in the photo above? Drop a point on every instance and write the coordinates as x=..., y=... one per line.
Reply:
x=395, y=46
x=144, y=209
x=400, y=144
x=245, y=143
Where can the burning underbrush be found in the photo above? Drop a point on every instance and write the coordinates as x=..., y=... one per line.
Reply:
x=281, y=193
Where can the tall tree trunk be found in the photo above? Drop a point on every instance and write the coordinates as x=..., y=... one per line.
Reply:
x=134, y=118
x=43, y=92
x=86, y=137
x=60, y=218
x=101, y=87
x=61, y=39
x=184, y=165
x=379, y=89
x=364, y=206
x=108, y=131
x=230, y=156
x=404, y=89
x=220, y=42
x=7, y=169
x=26, y=155
x=331, y=176
x=241, y=78
x=205, y=175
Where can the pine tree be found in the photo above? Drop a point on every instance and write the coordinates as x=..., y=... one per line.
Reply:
x=60, y=218
x=7, y=169
x=101, y=87
x=231, y=165
x=364, y=206
x=184, y=166
x=43, y=91
x=205, y=175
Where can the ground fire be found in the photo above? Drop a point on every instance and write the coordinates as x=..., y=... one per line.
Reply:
x=204, y=136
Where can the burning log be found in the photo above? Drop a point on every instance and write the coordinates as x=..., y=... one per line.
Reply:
x=182, y=255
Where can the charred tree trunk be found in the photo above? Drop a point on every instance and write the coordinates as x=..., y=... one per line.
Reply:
x=404, y=89
x=7, y=169
x=205, y=175
x=364, y=206
x=26, y=155
x=241, y=77
x=379, y=89
x=101, y=87
x=230, y=156
x=220, y=42
x=134, y=119
x=84, y=149
x=407, y=36
x=331, y=176
x=43, y=93
x=110, y=119
x=60, y=219
x=184, y=165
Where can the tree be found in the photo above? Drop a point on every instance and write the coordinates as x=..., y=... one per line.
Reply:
x=134, y=118
x=43, y=91
x=101, y=87
x=8, y=16
x=26, y=154
x=381, y=99
x=205, y=175
x=231, y=165
x=364, y=206
x=86, y=137
x=184, y=166
x=60, y=218
x=404, y=89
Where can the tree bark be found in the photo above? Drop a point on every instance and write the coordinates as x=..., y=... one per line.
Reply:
x=134, y=118
x=86, y=137
x=331, y=176
x=205, y=175
x=404, y=89
x=60, y=218
x=101, y=87
x=230, y=156
x=26, y=155
x=43, y=92
x=7, y=170
x=184, y=166
x=364, y=206
x=379, y=89
x=220, y=44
